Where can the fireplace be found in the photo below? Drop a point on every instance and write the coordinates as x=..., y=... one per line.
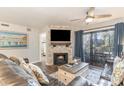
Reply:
x=60, y=58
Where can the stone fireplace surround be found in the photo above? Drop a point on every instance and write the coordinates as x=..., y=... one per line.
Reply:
x=57, y=48
x=60, y=49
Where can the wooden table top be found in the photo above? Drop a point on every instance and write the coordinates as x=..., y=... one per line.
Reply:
x=73, y=68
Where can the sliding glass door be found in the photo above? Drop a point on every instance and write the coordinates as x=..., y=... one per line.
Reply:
x=98, y=46
x=102, y=46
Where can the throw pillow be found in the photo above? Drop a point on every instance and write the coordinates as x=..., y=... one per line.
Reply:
x=116, y=60
x=118, y=73
x=27, y=68
x=42, y=78
x=15, y=59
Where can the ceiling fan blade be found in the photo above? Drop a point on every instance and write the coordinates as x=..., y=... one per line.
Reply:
x=76, y=19
x=91, y=11
x=103, y=16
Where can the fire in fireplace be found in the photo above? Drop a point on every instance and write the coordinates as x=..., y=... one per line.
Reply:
x=60, y=58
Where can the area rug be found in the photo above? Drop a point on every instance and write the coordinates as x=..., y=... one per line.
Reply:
x=56, y=82
x=54, y=75
x=94, y=75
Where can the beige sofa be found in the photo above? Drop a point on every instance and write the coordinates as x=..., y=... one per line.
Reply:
x=13, y=75
x=17, y=73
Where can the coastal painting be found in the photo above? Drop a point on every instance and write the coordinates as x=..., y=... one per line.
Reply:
x=13, y=40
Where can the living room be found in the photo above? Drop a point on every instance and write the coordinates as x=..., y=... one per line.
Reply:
x=83, y=47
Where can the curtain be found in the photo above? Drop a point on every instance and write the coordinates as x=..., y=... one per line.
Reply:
x=79, y=44
x=118, y=39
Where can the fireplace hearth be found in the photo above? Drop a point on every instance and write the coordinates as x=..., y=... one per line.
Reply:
x=60, y=58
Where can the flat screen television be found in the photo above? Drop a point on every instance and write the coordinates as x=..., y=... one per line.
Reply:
x=60, y=35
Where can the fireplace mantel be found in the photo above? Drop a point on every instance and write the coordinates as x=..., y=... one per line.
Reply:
x=60, y=43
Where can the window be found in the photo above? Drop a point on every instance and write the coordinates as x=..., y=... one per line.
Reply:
x=103, y=42
x=98, y=46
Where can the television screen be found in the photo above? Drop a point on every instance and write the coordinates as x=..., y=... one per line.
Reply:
x=60, y=35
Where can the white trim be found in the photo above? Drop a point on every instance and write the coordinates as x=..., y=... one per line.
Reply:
x=36, y=61
x=99, y=29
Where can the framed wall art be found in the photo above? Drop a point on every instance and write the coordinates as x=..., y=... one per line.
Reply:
x=13, y=40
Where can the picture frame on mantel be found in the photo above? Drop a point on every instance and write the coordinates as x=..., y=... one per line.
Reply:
x=10, y=40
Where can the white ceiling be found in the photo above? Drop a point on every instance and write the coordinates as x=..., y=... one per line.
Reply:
x=39, y=17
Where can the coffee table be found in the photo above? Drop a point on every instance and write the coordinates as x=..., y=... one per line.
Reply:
x=66, y=73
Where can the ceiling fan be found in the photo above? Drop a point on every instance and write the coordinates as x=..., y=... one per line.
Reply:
x=90, y=16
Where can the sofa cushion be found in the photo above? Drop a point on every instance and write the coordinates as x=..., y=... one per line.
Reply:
x=31, y=69
x=3, y=57
x=21, y=62
x=13, y=75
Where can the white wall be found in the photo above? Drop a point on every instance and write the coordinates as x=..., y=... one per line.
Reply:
x=32, y=51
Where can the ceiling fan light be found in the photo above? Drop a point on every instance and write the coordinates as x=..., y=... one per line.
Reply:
x=89, y=19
